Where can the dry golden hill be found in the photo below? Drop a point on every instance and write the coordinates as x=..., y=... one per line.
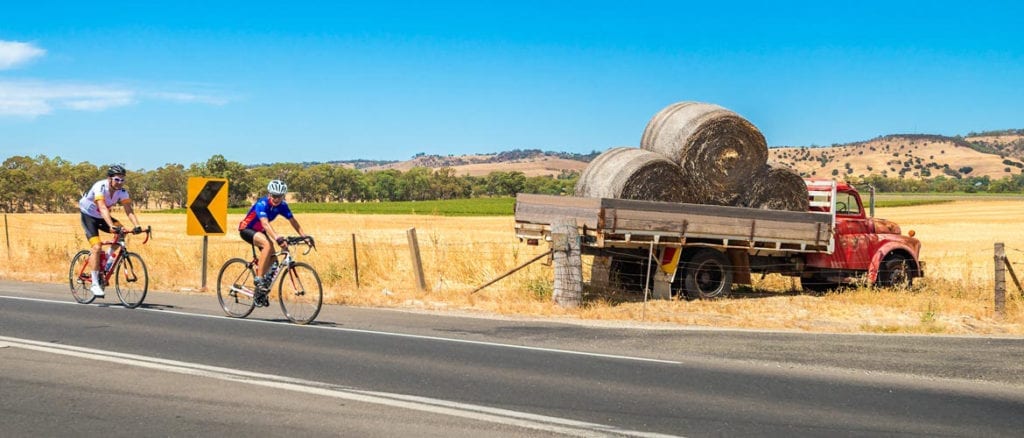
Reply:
x=910, y=156
x=484, y=164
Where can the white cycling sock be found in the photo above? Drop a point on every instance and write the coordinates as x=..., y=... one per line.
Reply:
x=95, y=277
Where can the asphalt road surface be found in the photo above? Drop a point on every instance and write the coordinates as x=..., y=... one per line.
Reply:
x=178, y=367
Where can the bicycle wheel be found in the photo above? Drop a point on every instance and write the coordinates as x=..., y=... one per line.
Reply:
x=131, y=280
x=80, y=278
x=233, y=288
x=300, y=293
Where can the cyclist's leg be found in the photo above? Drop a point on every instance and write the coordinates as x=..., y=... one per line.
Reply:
x=266, y=248
x=92, y=226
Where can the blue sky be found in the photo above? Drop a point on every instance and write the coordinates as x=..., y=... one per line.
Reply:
x=151, y=83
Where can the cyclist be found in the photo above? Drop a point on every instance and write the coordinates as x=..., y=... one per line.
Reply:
x=95, y=206
x=255, y=228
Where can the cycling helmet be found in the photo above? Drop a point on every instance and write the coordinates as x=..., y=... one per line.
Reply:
x=277, y=187
x=116, y=170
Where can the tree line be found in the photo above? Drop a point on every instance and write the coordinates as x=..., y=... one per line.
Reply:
x=43, y=184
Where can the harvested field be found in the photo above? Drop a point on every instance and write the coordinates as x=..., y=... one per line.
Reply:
x=460, y=254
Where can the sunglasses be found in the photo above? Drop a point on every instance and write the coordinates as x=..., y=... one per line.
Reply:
x=277, y=196
x=117, y=179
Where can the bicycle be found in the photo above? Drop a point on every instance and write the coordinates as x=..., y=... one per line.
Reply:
x=131, y=278
x=299, y=292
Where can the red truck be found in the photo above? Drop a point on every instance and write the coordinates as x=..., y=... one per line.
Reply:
x=700, y=251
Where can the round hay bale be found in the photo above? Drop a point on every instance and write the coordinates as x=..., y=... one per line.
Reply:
x=777, y=188
x=716, y=148
x=631, y=173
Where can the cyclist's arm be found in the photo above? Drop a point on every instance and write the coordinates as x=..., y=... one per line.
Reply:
x=269, y=229
x=130, y=211
x=101, y=204
x=296, y=226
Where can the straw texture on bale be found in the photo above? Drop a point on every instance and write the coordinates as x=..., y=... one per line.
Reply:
x=717, y=150
x=632, y=173
x=776, y=188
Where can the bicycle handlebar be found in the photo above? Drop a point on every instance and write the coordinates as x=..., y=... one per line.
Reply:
x=122, y=231
x=302, y=240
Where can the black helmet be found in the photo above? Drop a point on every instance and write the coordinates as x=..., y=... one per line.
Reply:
x=116, y=170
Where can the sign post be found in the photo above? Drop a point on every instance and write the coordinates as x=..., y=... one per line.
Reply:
x=207, y=211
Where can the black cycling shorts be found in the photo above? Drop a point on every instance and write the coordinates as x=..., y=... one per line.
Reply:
x=93, y=225
x=248, y=234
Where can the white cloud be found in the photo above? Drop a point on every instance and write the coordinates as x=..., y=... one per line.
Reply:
x=32, y=98
x=13, y=53
x=186, y=98
x=35, y=98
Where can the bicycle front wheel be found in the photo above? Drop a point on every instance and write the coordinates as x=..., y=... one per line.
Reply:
x=131, y=279
x=80, y=278
x=233, y=288
x=300, y=293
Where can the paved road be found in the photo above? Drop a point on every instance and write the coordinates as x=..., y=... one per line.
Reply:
x=470, y=376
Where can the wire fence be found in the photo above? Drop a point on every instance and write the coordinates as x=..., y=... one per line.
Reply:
x=455, y=261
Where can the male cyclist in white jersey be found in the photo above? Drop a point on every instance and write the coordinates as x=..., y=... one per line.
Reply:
x=95, y=206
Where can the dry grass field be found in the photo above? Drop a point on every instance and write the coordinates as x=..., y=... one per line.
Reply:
x=460, y=254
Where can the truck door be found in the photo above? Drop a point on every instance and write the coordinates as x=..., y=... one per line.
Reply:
x=854, y=234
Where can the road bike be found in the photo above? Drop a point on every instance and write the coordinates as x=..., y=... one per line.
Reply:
x=299, y=290
x=126, y=269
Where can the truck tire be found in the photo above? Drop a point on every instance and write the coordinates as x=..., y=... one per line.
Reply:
x=896, y=271
x=708, y=274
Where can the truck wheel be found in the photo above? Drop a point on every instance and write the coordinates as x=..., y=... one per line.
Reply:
x=708, y=275
x=896, y=271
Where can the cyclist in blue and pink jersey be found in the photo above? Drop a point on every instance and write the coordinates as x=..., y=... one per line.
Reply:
x=95, y=206
x=255, y=227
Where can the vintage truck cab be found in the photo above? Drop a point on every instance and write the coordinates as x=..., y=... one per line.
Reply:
x=865, y=247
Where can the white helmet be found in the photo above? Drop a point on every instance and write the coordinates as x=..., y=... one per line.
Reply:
x=277, y=187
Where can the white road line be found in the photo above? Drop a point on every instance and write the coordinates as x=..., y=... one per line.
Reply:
x=417, y=403
x=375, y=332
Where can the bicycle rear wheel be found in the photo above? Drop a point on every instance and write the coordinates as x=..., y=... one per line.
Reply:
x=131, y=279
x=80, y=278
x=233, y=288
x=300, y=293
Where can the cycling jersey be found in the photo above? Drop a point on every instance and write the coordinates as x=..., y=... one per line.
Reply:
x=263, y=208
x=101, y=190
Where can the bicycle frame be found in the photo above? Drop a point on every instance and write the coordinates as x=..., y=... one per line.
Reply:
x=298, y=285
x=282, y=263
x=118, y=248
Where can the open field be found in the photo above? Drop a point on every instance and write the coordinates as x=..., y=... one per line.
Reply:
x=461, y=253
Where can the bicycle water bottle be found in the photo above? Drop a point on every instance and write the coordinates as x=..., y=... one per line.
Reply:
x=109, y=260
x=273, y=270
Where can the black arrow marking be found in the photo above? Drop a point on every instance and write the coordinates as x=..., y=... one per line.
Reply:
x=200, y=207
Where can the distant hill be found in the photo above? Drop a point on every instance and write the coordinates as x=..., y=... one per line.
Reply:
x=531, y=162
x=995, y=154
x=910, y=156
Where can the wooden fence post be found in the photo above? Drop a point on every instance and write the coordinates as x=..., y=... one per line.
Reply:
x=355, y=259
x=1000, y=293
x=565, y=244
x=7, y=236
x=417, y=263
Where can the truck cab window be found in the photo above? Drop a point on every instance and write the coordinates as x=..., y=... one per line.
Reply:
x=846, y=203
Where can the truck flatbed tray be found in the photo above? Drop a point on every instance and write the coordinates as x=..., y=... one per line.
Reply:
x=606, y=222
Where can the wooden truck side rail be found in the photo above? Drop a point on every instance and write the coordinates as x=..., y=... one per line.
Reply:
x=624, y=223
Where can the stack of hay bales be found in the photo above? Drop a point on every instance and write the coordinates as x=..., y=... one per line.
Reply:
x=698, y=153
